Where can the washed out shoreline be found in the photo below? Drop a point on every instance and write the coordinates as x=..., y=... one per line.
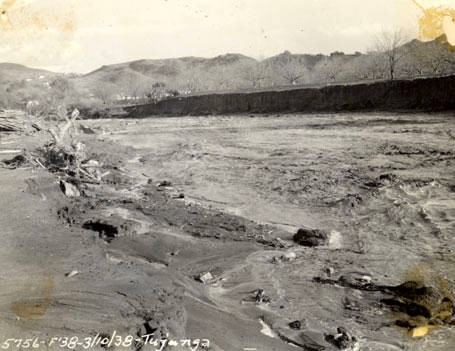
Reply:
x=425, y=94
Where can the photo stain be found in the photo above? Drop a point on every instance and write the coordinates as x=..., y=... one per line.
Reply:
x=28, y=18
x=4, y=14
x=437, y=21
x=424, y=303
x=36, y=306
x=39, y=32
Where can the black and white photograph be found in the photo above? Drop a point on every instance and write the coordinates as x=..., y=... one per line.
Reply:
x=227, y=175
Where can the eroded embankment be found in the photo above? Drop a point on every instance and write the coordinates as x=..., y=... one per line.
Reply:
x=430, y=94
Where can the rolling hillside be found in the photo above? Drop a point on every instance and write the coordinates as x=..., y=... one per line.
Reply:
x=229, y=72
x=171, y=72
x=16, y=72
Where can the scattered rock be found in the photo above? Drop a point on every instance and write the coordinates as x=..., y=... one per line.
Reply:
x=86, y=130
x=106, y=231
x=164, y=183
x=275, y=259
x=356, y=279
x=5, y=127
x=351, y=305
x=296, y=325
x=366, y=279
x=278, y=242
x=335, y=240
x=91, y=163
x=388, y=177
x=260, y=297
x=70, y=190
x=289, y=256
x=71, y=274
x=36, y=127
x=178, y=196
x=311, y=341
x=15, y=162
x=310, y=237
x=373, y=184
x=205, y=277
x=342, y=340
x=330, y=271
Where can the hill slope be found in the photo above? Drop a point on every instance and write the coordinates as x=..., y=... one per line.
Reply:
x=229, y=72
x=173, y=72
x=16, y=72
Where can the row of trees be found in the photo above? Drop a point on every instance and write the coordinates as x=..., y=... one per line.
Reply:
x=391, y=57
x=131, y=90
x=386, y=60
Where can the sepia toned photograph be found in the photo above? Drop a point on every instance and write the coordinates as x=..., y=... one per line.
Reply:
x=227, y=175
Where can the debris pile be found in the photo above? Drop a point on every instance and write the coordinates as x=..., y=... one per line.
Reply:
x=13, y=121
x=66, y=156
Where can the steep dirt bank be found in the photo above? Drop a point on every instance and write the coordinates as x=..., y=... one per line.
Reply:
x=431, y=94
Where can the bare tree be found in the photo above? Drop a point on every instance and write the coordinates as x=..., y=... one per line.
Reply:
x=190, y=82
x=255, y=73
x=328, y=69
x=363, y=67
x=135, y=86
x=377, y=65
x=436, y=59
x=292, y=71
x=411, y=65
x=61, y=132
x=156, y=92
x=225, y=78
x=388, y=43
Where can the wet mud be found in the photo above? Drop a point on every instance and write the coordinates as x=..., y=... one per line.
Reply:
x=318, y=232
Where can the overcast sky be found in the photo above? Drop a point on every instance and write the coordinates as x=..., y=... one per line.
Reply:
x=82, y=35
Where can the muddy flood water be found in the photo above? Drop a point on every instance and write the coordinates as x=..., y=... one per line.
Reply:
x=381, y=186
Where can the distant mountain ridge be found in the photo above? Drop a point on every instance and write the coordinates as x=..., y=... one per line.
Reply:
x=16, y=71
x=227, y=72
x=168, y=66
